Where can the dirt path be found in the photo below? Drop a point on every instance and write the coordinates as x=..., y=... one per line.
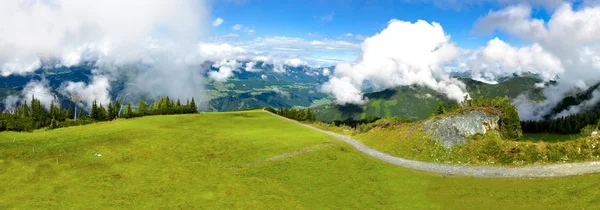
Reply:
x=554, y=170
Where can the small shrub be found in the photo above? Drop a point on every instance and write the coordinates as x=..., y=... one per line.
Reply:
x=587, y=130
x=532, y=153
x=492, y=148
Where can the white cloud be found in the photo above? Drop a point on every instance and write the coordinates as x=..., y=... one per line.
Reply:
x=37, y=89
x=278, y=49
x=514, y=19
x=152, y=42
x=566, y=46
x=327, y=18
x=359, y=37
x=26, y=38
x=499, y=59
x=326, y=72
x=97, y=90
x=10, y=103
x=40, y=90
x=250, y=67
x=231, y=35
x=344, y=90
x=217, y=22
x=240, y=27
x=402, y=54
x=215, y=52
x=226, y=69
x=261, y=58
x=236, y=27
x=295, y=62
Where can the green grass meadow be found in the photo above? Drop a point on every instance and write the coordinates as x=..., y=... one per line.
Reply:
x=225, y=161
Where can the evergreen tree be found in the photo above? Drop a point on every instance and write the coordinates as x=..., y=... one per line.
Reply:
x=26, y=112
x=80, y=114
x=102, y=113
x=193, y=108
x=142, y=108
x=117, y=107
x=111, y=111
x=94, y=112
x=70, y=110
x=128, y=113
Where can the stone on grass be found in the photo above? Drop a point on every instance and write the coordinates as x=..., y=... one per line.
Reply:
x=456, y=129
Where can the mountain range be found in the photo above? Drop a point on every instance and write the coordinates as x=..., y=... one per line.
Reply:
x=268, y=85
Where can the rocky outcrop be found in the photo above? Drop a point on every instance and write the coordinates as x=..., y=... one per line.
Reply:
x=456, y=129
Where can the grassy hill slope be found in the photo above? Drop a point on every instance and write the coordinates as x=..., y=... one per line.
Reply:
x=234, y=160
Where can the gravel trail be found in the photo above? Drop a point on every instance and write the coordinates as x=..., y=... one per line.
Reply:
x=554, y=170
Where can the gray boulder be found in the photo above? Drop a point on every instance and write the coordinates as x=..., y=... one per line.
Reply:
x=456, y=129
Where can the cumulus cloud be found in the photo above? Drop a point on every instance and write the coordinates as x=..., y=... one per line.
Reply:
x=38, y=89
x=326, y=72
x=498, y=59
x=566, y=47
x=137, y=38
x=513, y=19
x=97, y=90
x=10, y=103
x=226, y=69
x=344, y=90
x=404, y=53
x=236, y=27
x=250, y=67
x=295, y=62
x=217, y=22
x=215, y=52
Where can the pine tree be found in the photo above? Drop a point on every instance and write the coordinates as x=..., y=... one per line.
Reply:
x=117, y=107
x=193, y=108
x=102, y=113
x=142, y=108
x=94, y=111
x=128, y=113
x=80, y=114
x=70, y=111
x=26, y=112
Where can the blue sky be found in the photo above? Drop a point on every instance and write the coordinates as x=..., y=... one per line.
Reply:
x=320, y=19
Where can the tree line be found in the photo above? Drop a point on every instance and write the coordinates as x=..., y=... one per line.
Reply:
x=28, y=117
x=296, y=114
x=162, y=106
x=571, y=124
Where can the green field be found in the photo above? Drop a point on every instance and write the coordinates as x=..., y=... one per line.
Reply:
x=234, y=161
